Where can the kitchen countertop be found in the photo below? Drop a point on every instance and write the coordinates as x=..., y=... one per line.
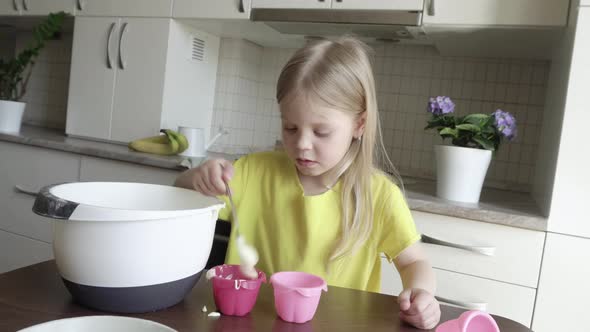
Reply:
x=496, y=206
x=36, y=294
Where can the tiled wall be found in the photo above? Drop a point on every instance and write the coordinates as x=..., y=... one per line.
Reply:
x=406, y=76
x=244, y=101
x=47, y=91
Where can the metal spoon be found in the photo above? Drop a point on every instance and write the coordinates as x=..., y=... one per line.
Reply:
x=248, y=254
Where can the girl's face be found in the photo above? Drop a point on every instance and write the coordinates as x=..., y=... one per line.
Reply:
x=316, y=137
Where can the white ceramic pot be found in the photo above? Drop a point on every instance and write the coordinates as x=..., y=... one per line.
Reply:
x=460, y=172
x=11, y=116
x=129, y=247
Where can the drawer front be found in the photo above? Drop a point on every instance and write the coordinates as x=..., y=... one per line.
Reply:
x=517, y=252
x=499, y=298
x=17, y=251
x=30, y=168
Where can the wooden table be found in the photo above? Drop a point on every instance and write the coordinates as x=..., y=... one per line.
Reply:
x=36, y=294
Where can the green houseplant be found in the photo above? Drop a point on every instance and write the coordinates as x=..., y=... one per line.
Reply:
x=461, y=167
x=15, y=72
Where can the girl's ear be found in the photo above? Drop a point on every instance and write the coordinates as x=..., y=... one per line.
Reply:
x=360, y=125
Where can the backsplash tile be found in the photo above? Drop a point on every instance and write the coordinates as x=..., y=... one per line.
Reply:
x=47, y=91
x=406, y=76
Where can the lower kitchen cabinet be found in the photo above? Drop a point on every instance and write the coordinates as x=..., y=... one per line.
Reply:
x=17, y=251
x=564, y=287
x=500, y=298
x=25, y=237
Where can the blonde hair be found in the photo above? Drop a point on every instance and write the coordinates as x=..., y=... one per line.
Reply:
x=338, y=73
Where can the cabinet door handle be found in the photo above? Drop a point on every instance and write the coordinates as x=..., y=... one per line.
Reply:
x=81, y=4
x=25, y=5
x=430, y=9
x=488, y=251
x=122, y=57
x=15, y=5
x=21, y=189
x=467, y=305
x=241, y=6
x=109, y=61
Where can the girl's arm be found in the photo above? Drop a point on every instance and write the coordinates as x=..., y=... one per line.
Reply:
x=417, y=304
x=415, y=270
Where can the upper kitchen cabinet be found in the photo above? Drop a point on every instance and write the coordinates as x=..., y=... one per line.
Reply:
x=378, y=4
x=139, y=82
x=90, y=100
x=292, y=4
x=226, y=9
x=44, y=7
x=496, y=12
x=10, y=7
x=129, y=8
x=130, y=77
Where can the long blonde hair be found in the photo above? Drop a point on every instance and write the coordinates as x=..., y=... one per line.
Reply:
x=338, y=73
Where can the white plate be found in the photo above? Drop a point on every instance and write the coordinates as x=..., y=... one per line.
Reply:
x=99, y=324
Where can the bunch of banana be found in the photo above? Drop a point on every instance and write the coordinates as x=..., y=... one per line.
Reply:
x=168, y=143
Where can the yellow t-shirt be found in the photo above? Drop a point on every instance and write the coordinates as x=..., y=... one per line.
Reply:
x=294, y=232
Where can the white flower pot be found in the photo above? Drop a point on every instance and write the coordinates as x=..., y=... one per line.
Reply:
x=460, y=172
x=11, y=116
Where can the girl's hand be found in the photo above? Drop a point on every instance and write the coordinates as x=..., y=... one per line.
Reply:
x=210, y=178
x=419, y=308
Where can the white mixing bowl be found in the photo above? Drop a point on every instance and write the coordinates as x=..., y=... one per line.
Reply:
x=129, y=247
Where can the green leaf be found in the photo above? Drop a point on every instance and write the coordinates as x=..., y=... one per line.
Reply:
x=12, y=80
x=476, y=119
x=449, y=132
x=485, y=143
x=469, y=127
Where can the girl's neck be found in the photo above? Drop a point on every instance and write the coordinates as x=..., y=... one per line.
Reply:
x=312, y=185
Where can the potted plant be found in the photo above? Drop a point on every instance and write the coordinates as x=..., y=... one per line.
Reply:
x=15, y=73
x=462, y=166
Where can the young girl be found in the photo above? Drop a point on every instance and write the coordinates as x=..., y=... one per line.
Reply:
x=322, y=206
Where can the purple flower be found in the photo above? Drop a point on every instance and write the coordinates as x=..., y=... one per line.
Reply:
x=440, y=105
x=506, y=124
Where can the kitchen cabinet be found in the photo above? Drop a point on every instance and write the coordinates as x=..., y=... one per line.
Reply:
x=378, y=4
x=93, y=55
x=146, y=74
x=25, y=238
x=10, y=7
x=497, y=270
x=562, y=298
x=127, y=8
x=18, y=251
x=496, y=12
x=469, y=292
x=97, y=169
x=340, y=4
x=225, y=9
x=292, y=4
x=30, y=168
x=44, y=7
x=516, y=256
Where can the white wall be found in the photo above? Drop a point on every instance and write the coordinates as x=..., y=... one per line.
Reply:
x=406, y=76
x=571, y=189
x=553, y=115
